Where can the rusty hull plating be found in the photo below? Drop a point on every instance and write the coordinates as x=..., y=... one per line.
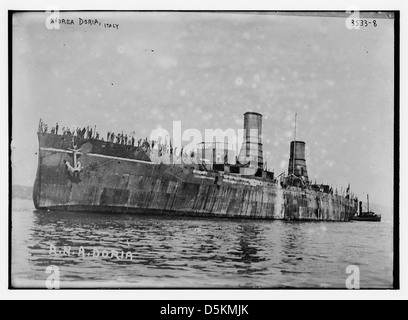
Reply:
x=122, y=178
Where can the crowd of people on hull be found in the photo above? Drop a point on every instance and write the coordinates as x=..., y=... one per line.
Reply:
x=89, y=133
x=163, y=148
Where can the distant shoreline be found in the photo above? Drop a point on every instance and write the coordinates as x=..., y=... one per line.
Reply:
x=21, y=192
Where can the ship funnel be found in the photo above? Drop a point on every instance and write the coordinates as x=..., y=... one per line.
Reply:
x=251, y=150
x=297, y=160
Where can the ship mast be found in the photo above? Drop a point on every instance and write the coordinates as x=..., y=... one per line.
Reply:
x=294, y=148
x=368, y=205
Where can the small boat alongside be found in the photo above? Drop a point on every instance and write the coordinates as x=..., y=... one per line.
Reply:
x=367, y=215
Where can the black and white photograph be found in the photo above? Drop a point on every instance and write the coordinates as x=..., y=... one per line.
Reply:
x=213, y=149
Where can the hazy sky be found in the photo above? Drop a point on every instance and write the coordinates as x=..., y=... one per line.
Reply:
x=206, y=70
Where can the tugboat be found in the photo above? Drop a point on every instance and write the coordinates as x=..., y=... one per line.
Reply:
x=367, y=215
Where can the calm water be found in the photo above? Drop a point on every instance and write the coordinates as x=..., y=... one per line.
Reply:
x=195, y=252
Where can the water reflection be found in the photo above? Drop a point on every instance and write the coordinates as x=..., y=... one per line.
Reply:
x=292, y=244
x=157, y=242
x=193, y=252
x=250, y=244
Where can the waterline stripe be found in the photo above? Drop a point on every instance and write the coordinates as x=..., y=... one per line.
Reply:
x=96, y=155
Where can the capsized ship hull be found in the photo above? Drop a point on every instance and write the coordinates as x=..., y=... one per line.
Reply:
x=120, y=178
